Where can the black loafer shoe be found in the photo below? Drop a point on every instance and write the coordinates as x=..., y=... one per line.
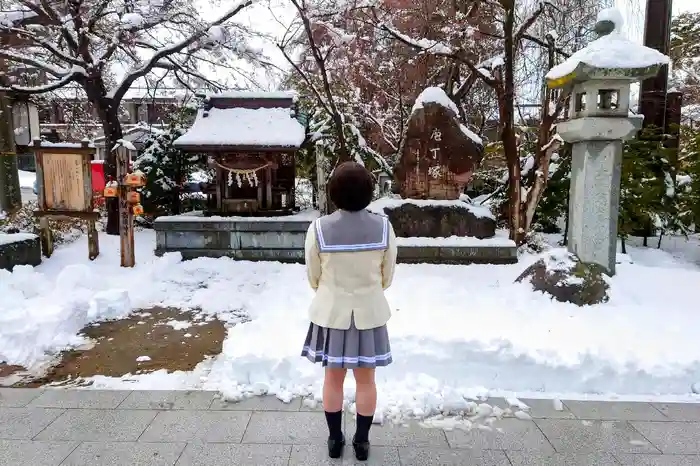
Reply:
x=361, y=450
x=335, y=447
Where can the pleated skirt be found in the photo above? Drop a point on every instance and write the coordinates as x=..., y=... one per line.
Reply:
x=348, y=349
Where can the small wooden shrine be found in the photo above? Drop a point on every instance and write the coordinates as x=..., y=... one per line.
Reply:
x=251, y=140
x=438, y=154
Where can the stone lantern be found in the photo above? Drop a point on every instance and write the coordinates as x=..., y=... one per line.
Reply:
x=598, y=79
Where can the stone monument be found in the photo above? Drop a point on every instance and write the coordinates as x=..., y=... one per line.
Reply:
x=598, y=78
x=438, y=153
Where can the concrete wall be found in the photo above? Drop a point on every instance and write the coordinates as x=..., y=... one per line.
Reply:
x=283, y=241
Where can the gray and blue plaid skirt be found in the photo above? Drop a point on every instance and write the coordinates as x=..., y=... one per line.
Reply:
x=347, y=349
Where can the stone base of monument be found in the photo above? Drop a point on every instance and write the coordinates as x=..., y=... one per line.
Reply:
x=19, y=249
x=282, y=239
x=436, y=219
x=562, y=276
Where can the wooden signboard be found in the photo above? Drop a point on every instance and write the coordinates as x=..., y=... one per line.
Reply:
x=64, y=184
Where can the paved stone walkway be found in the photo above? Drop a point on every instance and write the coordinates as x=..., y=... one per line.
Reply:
x=95, y=428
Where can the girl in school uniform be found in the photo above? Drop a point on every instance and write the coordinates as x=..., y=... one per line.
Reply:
x=350, y=261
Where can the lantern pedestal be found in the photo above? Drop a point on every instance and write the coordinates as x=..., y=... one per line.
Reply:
x=594, y=195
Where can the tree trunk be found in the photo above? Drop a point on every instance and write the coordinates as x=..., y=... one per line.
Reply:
x=10, y=193
x=507, y=115
x=108, y=113
x=113, y=132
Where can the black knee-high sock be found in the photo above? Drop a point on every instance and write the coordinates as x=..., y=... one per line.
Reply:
x=363, y=425
x=335, y=424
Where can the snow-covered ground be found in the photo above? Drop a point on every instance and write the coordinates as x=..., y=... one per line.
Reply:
x=456, y=330
x=26, y=179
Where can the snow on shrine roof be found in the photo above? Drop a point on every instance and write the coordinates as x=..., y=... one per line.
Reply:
x=244, y=127
x=610, y=51
x=256, y=95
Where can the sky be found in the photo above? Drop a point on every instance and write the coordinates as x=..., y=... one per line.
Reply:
x=680, y=6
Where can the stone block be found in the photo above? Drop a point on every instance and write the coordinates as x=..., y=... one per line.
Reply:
x=28, y=453
x=444, y=457
x=234, y=455
x=24, y=251
x=197, y=426
x=582, y=436
x=257, y=403
x=411, y=435
x=672, y=411
x=515, y=435
x=17, y=397
x=25, y=423
x=658, y=460
x=197, y=240
x=519, y=458
x=161, y=239
x=439, y=221
x=188, y=254
x=126, y=453
x=299, y=226
x=163, y=399
x=297, y=428
x=98, y=425
x=315, y=455
x=271, y=240
x=672, y=437
x=417, y=254
x=618, y=411
x=70, y=399
x=279, y=255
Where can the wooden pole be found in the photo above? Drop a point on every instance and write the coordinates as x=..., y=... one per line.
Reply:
x=126, y=214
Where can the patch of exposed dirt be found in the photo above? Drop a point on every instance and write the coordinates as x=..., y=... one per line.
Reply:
x=10, y=374
x=160, y=338
x=7, y=370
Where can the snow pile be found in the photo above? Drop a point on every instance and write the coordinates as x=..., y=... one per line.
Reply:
x=271, y=127
x=434, y=95
x=216, y=35
x=456, y=241
x=610, y=51
x=6, y=238
x=132, y=21
x=26, y=179
x=458, y=334
x=471, y=135
x=613, y=15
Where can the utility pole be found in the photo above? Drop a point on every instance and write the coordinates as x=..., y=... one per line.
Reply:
x=10, y=193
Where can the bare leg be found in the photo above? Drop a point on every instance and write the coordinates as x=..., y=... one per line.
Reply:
x=366, y=397
x=333, y=389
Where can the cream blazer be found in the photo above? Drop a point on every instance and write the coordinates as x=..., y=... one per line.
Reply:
x=350, y=283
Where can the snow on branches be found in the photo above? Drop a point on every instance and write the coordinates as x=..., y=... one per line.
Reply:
x=81, y=40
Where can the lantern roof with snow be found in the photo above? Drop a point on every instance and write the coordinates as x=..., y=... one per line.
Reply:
x=610, y=57
x=245, y=121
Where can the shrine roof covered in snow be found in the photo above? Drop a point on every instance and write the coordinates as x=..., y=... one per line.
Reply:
x=240, y=121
